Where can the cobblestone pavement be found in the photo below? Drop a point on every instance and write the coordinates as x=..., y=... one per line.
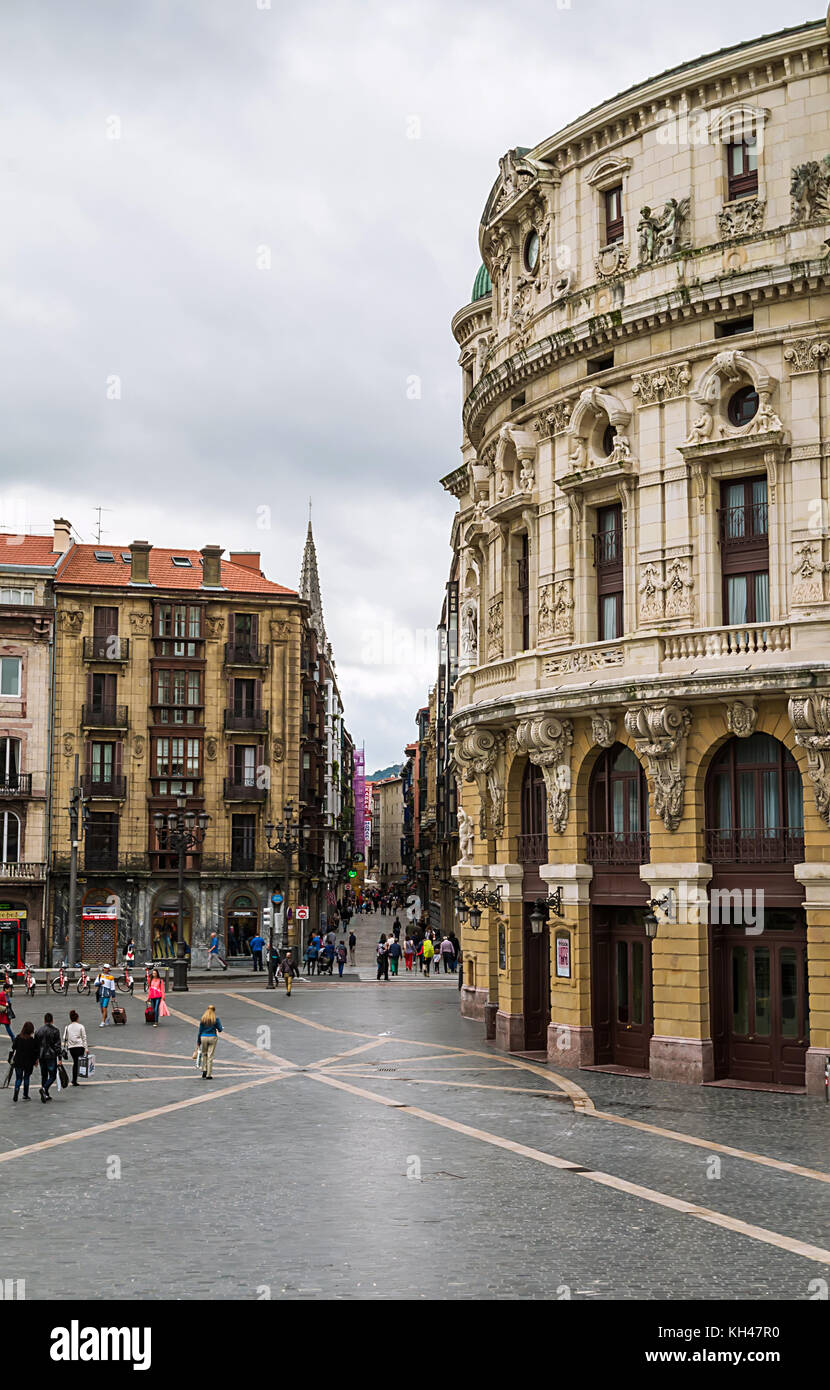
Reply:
x=363, y=1141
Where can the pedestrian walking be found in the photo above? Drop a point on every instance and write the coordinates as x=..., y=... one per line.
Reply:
x=383, y=958
x=233, y=944
x=105, y=992
x=288, y=969
x=352, y=944
x=428, y=953
x=74, y=1042
x=408, y=952
x=447, y=955
x=49, y=1045
x=155, y=997
x=341, y=954
x=257, y=943
x=396, y=929
x=395, y=954
x=214, y=953
x=24, y=1054
x=6, y=1011
x=206, y=1040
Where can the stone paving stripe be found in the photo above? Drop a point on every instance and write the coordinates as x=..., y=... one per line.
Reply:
x=141, y=1080
x=58, y=1139
x=428, y=1081
x=297, y=1018
x=663, y=1199
x=238, y=1042
x=363, y=1047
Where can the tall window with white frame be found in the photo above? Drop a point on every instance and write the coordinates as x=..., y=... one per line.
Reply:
x=10, y=676
x=608, y=561
x=743, y=524
x=614, y=222
x=742, y=168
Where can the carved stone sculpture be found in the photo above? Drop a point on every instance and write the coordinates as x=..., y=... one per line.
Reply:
x=662, y=384
x=603, y=729
x=701, y=428
x=678, y=589
x=810, y=718
x=544, y=622
x=806, y=354
x=480, y=755
x=744, y=217
x=741, y=717
x=469, y=633
x=495, y=631
x=651, y=593
x=808, y=584
x=141, y=624
x=548, y=742
x=277, y=749
x=71, y=621
x=810, y=190
x=658, y=233
x=466, y=837
x=215, y=625
x=563, y=610
x=660, y=733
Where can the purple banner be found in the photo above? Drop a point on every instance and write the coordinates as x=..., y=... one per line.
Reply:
x=359, y=785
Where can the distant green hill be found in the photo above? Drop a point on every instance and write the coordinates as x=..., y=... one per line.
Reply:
x=391, y=771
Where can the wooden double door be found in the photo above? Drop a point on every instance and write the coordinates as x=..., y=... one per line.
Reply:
x=760, y=1020
x=621, y=987
x=536, y=975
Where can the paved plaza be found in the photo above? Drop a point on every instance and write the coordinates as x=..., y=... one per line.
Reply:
x=361, y=1140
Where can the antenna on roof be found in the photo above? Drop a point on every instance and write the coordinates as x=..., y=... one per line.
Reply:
x=98, y=529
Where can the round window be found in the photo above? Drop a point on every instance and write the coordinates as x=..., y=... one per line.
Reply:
x=531, y=251
x=743, y=406
x=608, y=438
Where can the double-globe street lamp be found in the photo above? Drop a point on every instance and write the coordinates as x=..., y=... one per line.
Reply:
x=283, y=839
x=179, y=832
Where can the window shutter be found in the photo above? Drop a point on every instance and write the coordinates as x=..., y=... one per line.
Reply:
x=257, y=697
x=117, y=761
x=254, y=629
x=231, y=688
x=231, y=765
x=88, y=763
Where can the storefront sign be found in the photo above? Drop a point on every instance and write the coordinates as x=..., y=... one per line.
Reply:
x=563, y=955
x=12, y=914
x=359, y=784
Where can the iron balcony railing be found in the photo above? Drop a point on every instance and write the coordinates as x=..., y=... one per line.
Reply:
x=617, y=847
x=251, y=721
x=740, y=526
x=773, y=845
x=243, y=790
x=16, y=784
x=533, y=849
x=104, y=716
x=110, y=647
x=107, y=788
x=246, y=654
x=608, y=548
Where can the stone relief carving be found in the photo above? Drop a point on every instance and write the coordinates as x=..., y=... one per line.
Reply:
x=658, y=233
x=744, y=217
x=555, y=419
x=521, y=310
x=702, y=427
x=809, y=568
x=651, y=589
x=69, y=744
x=741, y=717
x=806, y=354
x=141, y=624
x=544, y=621
x=660, y=733
x=469, y=633
x=71, y=621
x=524, y=443
x=277, y=749
x=603, y=729
x=514, y=182
x=661, y=385
x=480, y=755
x=548, y=742
x=215, y=625
x=563, y=610
x=466, y=837
x=495, y=631
x=138, y=747
x=211, y=748
x=678, y=589
x=810, y=718
x=611, y=261
x=810, y=190
x=279, y=629
x=582, y=661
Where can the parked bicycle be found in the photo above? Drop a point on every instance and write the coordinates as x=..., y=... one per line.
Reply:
x=125, y=982
x=83, y=982
x=60, y=982
x=29, y=980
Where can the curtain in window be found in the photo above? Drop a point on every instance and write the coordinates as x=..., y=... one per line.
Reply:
x=609, y=618
x=769, y=801
x=633, y=805
x=762, y=597
x=736, y=598
x=10, y=826
x=795, y=800
x=735, y=514
x=617, y=807
x=723, y=801
x=746, y=801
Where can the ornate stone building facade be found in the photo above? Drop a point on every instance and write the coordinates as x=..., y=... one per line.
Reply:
x=642, y=711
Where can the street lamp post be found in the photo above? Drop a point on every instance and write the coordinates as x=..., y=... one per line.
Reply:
x=180, y=831
x=284, y=839
x=78, y=822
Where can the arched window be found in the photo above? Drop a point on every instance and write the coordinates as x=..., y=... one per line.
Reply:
x=533, y=840
x=755, y=803
x=9, y=837
x=618, y=809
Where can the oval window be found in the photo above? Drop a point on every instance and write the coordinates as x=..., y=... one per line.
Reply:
x=743, y=406
x=531, y=252
x=608, y=438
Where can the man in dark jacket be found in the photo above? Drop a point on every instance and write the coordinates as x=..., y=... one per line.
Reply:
x=49, y=1046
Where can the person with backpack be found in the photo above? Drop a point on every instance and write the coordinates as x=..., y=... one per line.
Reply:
x=395, y=954
x=105, y=992
x=383, y=958
x=428, y=953
x=206, y=1040
x=48, y=1040
x=24, y=1055
x=341, y=954
x=74, y=1042
x=352, y=944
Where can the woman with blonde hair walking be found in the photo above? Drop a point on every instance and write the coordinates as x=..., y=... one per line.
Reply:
x=206, y=1040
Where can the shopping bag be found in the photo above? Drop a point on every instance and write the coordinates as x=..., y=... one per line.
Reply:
x=86, y=1064
x=198, y=1059
x=164, y=1012
x=58, y=1086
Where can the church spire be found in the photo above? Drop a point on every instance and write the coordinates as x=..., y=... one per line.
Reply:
x=310, y=583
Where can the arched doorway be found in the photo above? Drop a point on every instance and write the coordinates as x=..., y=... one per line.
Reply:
x=757, y=926
x=164, y=925
x=533, y=851
x=617, y=844
x=241, y=922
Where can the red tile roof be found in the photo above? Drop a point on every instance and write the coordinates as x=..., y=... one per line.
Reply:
x=81, y=567
x=27, y=550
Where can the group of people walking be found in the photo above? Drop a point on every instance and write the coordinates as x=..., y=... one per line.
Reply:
x=419, y=944
x=324, y=952
x=44, y=1048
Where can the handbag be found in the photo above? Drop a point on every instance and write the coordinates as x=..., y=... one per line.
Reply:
x=164, y=1012
x=10, y=1011
x=63, y=1076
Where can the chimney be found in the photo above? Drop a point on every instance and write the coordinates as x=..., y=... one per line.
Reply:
x=211, y=566
x=248, y=559
x=61, y=539
x=140, y=562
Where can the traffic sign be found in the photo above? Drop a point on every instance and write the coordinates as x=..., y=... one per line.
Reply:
x=302, y=914
x=276, y=898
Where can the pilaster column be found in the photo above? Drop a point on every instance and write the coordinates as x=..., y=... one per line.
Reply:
x=570, y=1032
x=816, y=881
x=681, y=1046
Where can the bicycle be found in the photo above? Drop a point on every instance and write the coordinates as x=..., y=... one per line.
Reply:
x=83, y=983
x=60, y=982
x=125, y=982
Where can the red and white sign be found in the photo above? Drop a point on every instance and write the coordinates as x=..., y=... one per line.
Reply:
x=302, y=914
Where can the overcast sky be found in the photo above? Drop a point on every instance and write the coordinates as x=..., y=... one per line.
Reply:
x=221, y=205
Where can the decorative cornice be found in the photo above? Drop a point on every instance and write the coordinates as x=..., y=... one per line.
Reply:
x=663, y=384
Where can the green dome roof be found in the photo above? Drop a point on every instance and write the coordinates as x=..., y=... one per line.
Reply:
x=482, y=284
